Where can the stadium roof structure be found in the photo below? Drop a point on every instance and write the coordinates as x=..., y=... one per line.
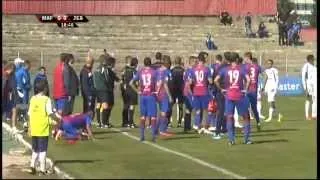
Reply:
x=140, y=7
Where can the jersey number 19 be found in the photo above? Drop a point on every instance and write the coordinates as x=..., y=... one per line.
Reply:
x=233, y=77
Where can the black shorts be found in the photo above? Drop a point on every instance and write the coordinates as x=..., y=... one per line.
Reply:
x=40, y=143
x=102, y=96
x=131, y=97
x=177, y=95
x=110, y=98
x=13, y=100
x=105, y=97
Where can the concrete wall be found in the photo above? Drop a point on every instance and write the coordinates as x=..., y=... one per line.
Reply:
x=141, y=36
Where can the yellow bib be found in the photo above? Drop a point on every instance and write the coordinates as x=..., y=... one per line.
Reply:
x=39, y=118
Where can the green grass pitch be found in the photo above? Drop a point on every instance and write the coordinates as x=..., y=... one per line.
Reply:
x=281, y=150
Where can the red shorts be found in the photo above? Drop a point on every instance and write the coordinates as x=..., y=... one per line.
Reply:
x=212, y=106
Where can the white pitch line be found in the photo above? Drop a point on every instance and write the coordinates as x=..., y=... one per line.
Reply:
x=186, y=156
x=20, y=138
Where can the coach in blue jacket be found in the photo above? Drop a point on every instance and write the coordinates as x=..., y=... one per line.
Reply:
x=23, y=80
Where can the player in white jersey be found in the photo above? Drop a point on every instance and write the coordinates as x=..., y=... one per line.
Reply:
x=313, y=84
x=270, y=87
x=259, y=101
x=307, y=83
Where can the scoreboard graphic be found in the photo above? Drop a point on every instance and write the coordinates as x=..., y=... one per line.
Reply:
x=63, y=21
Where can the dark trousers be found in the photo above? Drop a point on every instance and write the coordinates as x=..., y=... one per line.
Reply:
x=70, y=105
x=283, y=38
x=221, y=121
x=125, y=109
x=88, y=104
x=180, y=115
x=226, y=20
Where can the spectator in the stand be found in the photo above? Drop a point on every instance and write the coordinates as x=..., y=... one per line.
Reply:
x=42, y=75
x=210, y=44
x=262, y=31
x=293, y=34
x=247, y=24
x=282, y=33
x=225, y=18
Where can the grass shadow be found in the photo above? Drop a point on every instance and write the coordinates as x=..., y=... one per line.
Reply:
x=101, y=138
x=271, y=141
x=178, y=138
x=258, y=135
x=56, y=162
x=186, y=133
x=278, y=130
x=104, y=132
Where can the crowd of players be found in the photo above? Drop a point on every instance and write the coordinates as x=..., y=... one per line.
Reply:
x=215, y=92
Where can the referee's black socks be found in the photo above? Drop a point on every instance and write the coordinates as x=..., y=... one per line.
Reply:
x=105, y=117
x=98, y=116
x=187, y=121
x=125, y=116
x=108, y=113
x=130, y=116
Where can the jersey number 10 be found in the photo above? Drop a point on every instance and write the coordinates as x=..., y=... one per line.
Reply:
x=199, y=76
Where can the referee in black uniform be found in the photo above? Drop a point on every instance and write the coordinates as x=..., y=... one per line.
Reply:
x=111, y=79
x=104, y=78
x=176, y=89
x=100, y=81
x=129, y=96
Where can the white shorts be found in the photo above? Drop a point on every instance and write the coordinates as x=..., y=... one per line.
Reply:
x=259, y=96
x=271, y=94
x=310, y=89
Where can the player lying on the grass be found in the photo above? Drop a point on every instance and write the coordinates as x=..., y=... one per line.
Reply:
x=75, y=127
x=40, y=114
